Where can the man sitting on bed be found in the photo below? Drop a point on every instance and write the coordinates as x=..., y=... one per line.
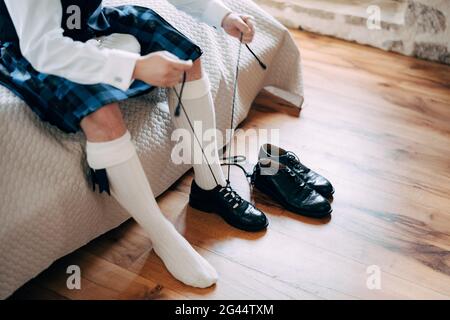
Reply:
x=73, y=73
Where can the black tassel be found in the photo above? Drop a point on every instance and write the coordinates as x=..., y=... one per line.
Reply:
x=92, y=178
x=100, y=178
x=177, y=110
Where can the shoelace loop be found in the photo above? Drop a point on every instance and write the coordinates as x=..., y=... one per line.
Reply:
x=295, y=161
x=235, y=198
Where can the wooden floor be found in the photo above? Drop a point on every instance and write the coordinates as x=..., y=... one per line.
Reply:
x=378, y=125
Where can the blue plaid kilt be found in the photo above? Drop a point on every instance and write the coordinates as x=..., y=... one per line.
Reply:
x=64, y=103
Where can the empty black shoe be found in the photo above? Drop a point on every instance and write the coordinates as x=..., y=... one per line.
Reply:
x=290, y=159
x=286, y=187
x=229, y=205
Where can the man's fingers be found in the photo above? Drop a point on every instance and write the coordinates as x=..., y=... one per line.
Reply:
x=177, y=63
x=182, y=65
x=172, y=81
x=250, y=24
x=246, y=17
x=243, y=27
x=249, y=20
x=169, y=55
x=174, y=74
x=247, y=39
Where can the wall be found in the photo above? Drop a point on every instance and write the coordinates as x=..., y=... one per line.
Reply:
x=418, y=28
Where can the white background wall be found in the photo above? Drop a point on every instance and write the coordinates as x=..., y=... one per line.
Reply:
x=419, y=28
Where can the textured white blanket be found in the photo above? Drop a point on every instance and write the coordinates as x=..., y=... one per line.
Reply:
x=47, y=209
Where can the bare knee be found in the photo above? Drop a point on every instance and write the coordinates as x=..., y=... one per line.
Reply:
x=195, y=72
x=105, y=124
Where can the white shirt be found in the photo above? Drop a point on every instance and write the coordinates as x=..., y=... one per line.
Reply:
x=38, y=26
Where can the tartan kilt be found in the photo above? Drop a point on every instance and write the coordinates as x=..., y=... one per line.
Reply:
x=64, y=103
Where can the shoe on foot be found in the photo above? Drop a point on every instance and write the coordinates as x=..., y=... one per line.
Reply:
x=286, y=187
x=291, y=160
x=230, y=206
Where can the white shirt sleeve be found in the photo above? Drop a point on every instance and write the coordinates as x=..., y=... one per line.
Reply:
x=211, y=12
x=42, y=43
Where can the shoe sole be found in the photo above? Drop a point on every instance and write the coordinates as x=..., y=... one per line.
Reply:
x=201, y=207
x=290, y=207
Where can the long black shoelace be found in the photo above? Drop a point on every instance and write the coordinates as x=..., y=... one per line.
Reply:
x=99, y=177
x=180, y=107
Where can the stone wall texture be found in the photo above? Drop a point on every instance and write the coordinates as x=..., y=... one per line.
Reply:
x=419, y=28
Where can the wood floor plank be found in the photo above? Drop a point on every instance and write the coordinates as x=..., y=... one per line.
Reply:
x=317, y=244
x=102, y=279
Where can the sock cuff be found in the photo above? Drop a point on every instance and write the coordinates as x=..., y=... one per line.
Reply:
x=101, y=155
x=195, y=89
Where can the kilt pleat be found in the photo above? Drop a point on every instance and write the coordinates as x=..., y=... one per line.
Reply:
x=64, y=103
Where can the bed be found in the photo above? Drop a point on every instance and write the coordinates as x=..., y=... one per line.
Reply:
x=47, y=208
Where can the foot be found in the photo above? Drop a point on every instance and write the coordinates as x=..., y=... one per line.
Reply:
x=291, y=160
x=287, y=188
x=182, y=261
x=230, y=206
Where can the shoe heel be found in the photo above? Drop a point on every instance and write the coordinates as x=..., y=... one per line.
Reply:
x=201, y=205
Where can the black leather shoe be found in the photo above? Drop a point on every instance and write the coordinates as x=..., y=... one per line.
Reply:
x=283, y=185
x=230, y=206
x=290, y=159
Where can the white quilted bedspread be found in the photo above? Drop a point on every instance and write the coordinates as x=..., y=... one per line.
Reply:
x=47, y=209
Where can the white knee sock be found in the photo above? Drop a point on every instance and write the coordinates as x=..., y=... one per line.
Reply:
x=198, y=103
x=130, y=187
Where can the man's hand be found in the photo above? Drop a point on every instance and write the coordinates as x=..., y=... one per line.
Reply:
x=161, y=69
x=235, y=23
